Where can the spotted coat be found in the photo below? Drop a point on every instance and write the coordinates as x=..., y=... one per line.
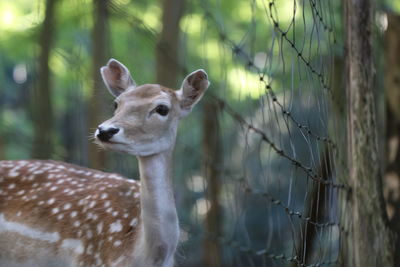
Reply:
x=70, y=211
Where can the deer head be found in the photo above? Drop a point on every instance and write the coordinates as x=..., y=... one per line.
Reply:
x=146, y=116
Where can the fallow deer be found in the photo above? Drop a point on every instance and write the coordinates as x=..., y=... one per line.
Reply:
x=58, y=214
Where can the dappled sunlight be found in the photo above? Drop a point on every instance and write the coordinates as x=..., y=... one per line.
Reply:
x=191, y=24
x=201, y=208
x=212, y=50
x=8, y=17
x=196, y=183
x=19, y=15
x=151, y=16
x=57, y=63
x=244, y=84
x=243, y=11
x=254, y=170
x=286, y=11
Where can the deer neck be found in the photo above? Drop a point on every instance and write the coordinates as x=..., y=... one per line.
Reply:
x=160, y=229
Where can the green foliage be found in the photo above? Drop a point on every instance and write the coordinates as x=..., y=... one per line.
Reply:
x=209, y=31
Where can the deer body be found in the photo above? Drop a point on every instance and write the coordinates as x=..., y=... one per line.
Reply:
x=66, y=215
x=59, y=214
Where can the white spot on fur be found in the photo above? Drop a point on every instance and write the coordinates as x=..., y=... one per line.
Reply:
x=13, y=174
x=55, y=210
x=89, y=234
x=7, y=226
x=11, y=186
x=116, y=227
x=100, y=227
x=119, y=261
x=89, y=250
x=73, y=244
x=92, y=204
x=134, y=222
x=99, y=261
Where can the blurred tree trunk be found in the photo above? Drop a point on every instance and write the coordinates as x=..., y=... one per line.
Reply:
x=212, y=161
x=314, y=210
x=42, y=111
x=96, y=104
x=316, y=202
x=168, y=45
x=73, y=123
x=340, y=170
x=392, y=90
x=369, y=241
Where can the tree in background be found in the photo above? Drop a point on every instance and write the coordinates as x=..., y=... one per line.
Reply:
x=41, y=105
x=212, y=164
x=100, y=54
x=370, y=239
x=392, y=143
x=167, y=53
x=137, y=38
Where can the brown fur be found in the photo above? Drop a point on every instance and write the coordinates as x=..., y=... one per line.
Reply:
x=39, y=181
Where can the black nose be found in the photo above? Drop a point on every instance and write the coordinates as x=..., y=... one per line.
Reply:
x=106, y=134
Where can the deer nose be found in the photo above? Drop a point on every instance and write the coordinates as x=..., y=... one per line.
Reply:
x=106, y=134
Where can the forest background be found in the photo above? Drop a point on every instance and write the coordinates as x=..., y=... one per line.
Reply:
x=52, y=98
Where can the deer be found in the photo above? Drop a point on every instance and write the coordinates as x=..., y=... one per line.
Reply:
x=59, y=214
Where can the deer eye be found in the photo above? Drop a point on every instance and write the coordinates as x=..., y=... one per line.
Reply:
x=162, y=110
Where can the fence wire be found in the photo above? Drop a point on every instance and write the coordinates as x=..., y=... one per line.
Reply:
x=275, y=198
x=279, y=186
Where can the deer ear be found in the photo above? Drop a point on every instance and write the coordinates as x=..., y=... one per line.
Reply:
x=193, y=88
x=116, y=77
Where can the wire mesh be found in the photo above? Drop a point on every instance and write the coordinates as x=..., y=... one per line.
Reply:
x=271, y=197
x=278, y=184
